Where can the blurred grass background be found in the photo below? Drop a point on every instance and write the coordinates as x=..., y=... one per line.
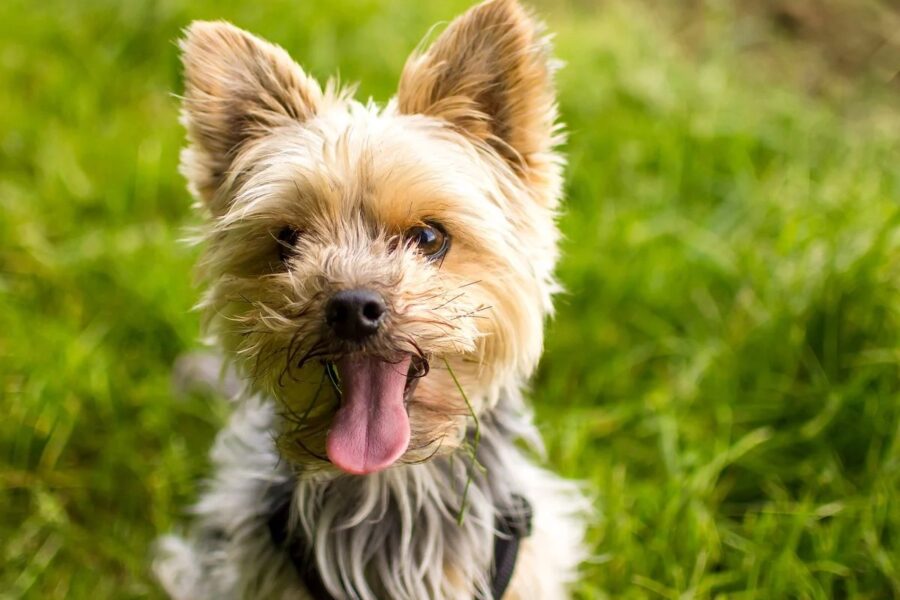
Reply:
x=724, y=369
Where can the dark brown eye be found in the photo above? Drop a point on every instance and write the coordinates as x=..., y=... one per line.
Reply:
x=287, y=241
x=431, y=240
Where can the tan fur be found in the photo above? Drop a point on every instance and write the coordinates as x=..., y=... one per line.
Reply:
x=238, y=88
x=490, y=75
x=469, y=142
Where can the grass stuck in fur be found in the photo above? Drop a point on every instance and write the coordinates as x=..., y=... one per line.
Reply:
x=723, y=369
x=470, y=448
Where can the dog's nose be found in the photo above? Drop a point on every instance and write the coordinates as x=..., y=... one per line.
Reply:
x=354, y=315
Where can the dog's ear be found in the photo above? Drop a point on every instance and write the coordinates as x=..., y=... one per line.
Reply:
x=237, y=88
x=490, y=74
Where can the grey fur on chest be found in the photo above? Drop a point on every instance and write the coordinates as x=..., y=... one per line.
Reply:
x=392, y=534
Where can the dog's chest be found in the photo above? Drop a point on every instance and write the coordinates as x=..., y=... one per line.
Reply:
x=511, y=525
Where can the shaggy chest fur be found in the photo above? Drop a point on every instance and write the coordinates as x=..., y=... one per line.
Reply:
x=393, y=535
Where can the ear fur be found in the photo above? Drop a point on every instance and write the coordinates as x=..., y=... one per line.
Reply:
x=490, y=74
x=237, y=88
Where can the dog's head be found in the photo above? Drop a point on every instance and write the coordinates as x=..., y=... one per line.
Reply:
x=382, y=272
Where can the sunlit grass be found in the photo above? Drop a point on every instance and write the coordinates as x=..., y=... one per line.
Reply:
x=723, y=369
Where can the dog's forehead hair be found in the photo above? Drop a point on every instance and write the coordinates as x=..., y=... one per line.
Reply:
x=394, y=170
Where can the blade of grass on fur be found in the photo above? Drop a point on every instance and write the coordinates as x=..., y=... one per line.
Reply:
x=460, y=516
x=315, y=399
x=333, y=378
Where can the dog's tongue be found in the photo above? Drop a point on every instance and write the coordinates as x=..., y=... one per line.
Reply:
x=371, y=429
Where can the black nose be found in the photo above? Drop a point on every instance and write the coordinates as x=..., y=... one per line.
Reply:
x=354, y=315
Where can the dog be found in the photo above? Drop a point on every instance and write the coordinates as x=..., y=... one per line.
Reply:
x=378, y=277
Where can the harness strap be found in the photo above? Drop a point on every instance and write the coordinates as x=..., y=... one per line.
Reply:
x=511, y=526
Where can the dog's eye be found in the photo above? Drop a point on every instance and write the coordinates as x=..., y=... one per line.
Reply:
x=431, y=239
x=287, y=240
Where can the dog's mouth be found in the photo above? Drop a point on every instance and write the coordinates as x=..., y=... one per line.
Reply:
x=370, y=430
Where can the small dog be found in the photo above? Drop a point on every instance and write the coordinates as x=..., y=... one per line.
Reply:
x=379, y=277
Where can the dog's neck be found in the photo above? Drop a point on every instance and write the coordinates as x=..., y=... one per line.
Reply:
x=405, y=532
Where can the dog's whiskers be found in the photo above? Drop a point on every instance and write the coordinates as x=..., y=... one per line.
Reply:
x=450, y=290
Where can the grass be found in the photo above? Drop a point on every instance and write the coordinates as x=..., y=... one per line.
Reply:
x=470, y=448
x=724, y=369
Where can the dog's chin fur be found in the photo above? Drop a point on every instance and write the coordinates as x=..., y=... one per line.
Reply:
x=469, y=143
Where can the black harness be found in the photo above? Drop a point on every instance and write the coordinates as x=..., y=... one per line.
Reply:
x=511, y=526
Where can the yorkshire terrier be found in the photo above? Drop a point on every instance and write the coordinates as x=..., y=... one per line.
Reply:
x=379, y=278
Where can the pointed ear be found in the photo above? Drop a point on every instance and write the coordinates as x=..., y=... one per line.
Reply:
x=237, y=88
x=490, y=74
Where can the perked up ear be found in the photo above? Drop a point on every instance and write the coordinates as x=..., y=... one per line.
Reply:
x=237, y=88
x=490, y=74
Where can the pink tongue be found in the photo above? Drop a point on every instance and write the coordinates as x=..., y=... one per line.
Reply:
x=371, y=429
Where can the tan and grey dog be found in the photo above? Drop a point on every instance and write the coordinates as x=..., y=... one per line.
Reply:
x=380, y=278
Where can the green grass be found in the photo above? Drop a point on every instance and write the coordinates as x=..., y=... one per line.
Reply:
x=724, y=369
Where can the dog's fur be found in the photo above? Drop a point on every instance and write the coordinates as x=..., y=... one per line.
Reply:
x=468, y=142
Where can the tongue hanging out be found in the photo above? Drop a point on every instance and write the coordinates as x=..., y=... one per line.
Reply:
x=371, y=429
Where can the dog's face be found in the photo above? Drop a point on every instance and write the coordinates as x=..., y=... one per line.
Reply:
x=367, y=266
